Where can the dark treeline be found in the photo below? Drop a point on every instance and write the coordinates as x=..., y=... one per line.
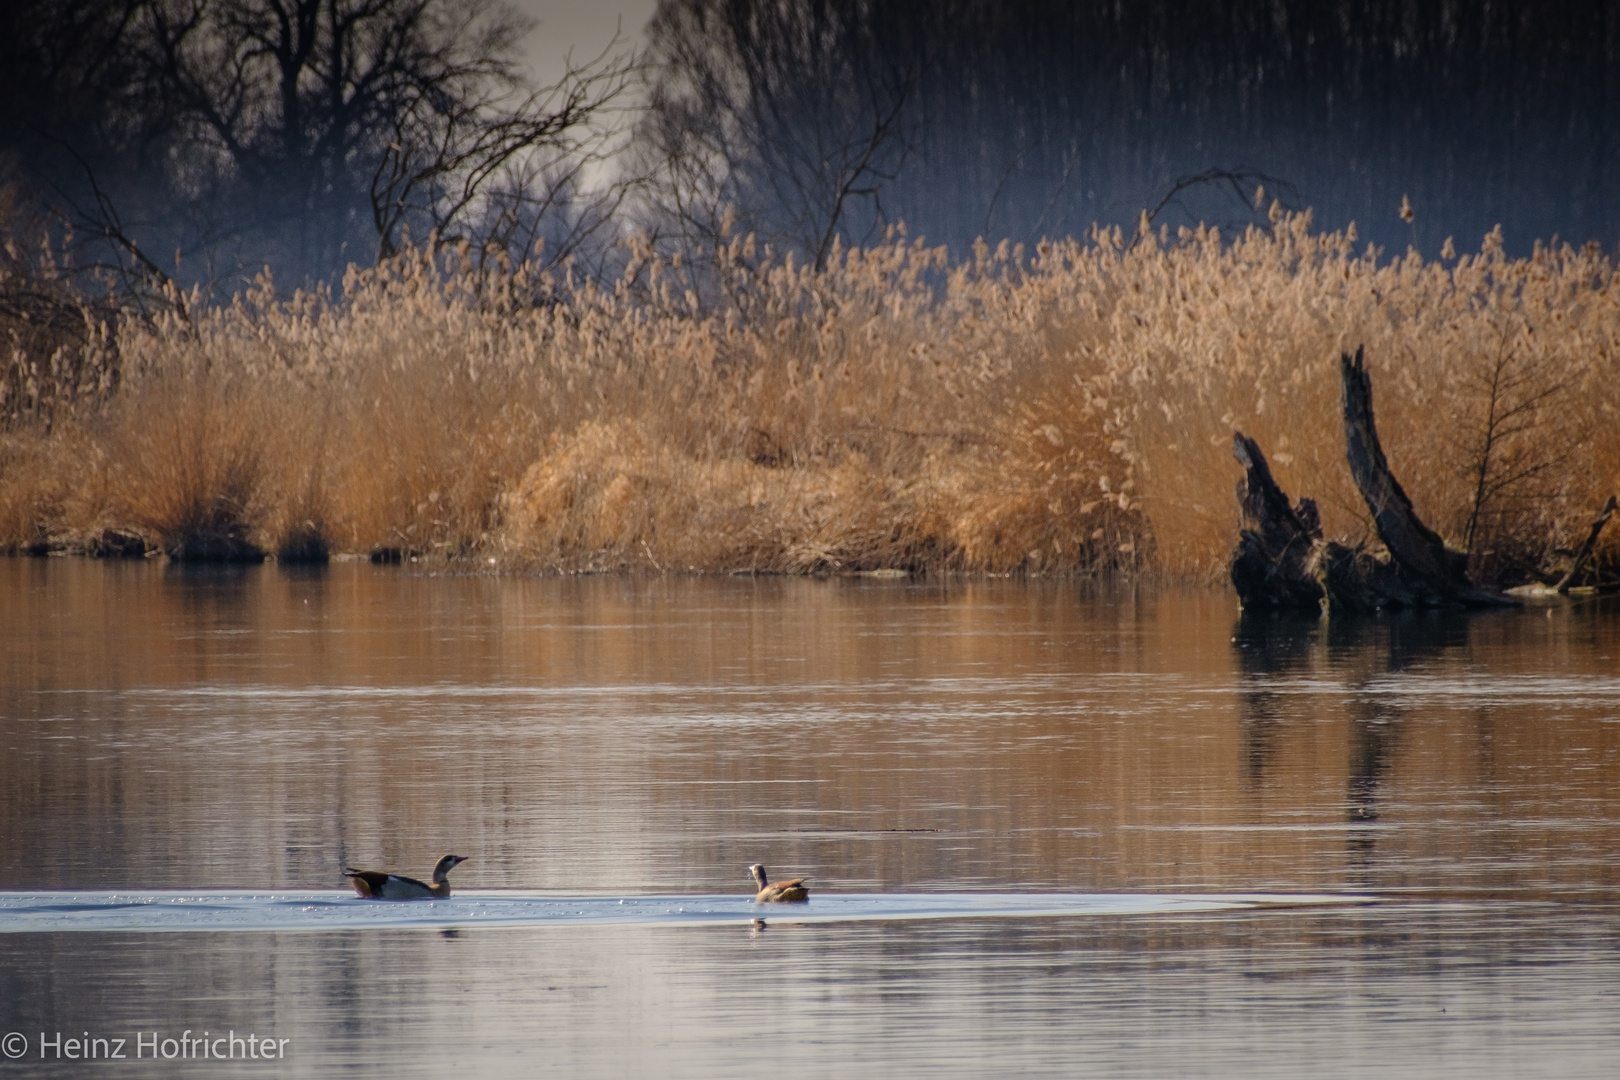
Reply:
x=204, y=139
x=974, y=117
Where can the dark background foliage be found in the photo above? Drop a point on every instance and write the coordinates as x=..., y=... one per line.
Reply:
x=1040, y=117
x=204, y=139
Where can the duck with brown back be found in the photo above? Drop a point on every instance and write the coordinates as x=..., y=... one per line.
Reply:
x=378, y=885
x=783, y=892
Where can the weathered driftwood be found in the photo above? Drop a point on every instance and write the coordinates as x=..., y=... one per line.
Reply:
x=1272, y=566
x=1281, y=560
x=1434, y=575
x=1561, y=585
x=1585, y=550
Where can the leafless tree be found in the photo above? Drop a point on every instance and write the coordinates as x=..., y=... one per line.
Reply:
x=506, y=178
x=305, y=134
x=784, y=119
x=1515, y=390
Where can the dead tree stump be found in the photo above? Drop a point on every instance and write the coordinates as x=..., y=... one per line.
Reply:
x=1272, y=566
x=1281, y=560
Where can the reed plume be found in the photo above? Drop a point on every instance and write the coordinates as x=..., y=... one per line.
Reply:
x=1066, y=409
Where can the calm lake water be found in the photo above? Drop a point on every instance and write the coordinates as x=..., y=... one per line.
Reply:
x=1023, y=807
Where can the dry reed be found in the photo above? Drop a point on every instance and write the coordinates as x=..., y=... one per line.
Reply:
x=1068, y=410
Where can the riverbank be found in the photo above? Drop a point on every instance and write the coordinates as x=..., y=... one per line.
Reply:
x=1064, y=410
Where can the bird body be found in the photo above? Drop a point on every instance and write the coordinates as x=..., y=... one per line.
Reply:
x=377, y=885
x=783, y=892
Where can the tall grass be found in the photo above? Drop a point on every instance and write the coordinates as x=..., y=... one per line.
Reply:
x=1066, y=409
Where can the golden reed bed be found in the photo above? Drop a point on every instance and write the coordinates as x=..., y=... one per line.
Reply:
x=1067, y=409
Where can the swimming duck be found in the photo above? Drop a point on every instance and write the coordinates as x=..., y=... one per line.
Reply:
x=783, y=892
x=376, y=885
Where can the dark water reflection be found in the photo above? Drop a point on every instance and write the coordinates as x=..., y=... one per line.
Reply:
x=260, y=728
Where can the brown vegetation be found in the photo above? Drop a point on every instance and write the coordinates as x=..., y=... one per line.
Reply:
x=1066, y=410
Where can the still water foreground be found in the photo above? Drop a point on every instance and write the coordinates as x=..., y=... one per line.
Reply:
x=1051, y=830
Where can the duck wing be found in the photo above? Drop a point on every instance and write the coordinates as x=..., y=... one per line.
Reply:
x=790, y=891
x=367, y=883
x=376, y=885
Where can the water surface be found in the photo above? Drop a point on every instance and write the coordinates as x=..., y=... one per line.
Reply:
x=1050, y=813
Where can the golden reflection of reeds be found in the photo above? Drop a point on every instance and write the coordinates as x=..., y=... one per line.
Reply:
x=185, y=729
x=1066, y=410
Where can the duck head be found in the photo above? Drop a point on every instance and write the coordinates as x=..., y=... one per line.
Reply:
x=757, y=872
x=446, y=864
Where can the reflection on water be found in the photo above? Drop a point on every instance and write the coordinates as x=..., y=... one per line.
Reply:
x=169, y=729
x=217, y=910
